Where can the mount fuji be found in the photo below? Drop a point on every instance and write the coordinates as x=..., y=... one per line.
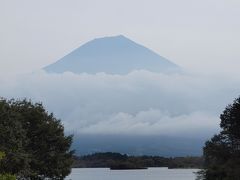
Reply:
x=112, y=55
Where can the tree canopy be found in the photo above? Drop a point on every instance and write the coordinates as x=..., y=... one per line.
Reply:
x=33, y=141
x=222, y=152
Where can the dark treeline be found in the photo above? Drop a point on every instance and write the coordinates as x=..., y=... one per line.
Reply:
x=109, y=159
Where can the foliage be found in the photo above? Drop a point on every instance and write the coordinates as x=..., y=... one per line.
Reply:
x=222, y=152
x=34, y=141
x=7, y=177
x=2, y=155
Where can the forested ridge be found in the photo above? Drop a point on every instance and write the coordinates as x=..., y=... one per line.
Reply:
x=110, y=159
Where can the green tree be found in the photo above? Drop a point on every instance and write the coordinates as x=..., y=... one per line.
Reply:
x=2, y=155
x=12, y=140
x=5, y=176
x=222, y=152
x=34, y=141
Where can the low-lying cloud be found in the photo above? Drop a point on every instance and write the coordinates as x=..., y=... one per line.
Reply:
x=139, y=103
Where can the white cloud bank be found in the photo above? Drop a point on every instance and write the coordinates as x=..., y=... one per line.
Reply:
x=140, y=102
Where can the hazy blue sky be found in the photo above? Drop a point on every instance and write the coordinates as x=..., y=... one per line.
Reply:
x=199, y=35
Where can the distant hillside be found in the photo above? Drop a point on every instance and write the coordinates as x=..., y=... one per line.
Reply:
x=109, y=159
x=113, y=55
x=138, y=145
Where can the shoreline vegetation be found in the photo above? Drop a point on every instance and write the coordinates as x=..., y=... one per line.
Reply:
x=117, y=161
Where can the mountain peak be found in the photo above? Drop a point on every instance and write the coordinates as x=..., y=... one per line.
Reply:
x=114, y=55
x=120, y=36
x=115, y=38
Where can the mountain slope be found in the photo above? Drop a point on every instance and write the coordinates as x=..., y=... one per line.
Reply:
x=113, y=55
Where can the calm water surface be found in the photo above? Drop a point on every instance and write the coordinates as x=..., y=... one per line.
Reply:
x=147, y=174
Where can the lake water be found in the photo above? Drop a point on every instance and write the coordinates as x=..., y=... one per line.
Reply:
x=146, y=174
